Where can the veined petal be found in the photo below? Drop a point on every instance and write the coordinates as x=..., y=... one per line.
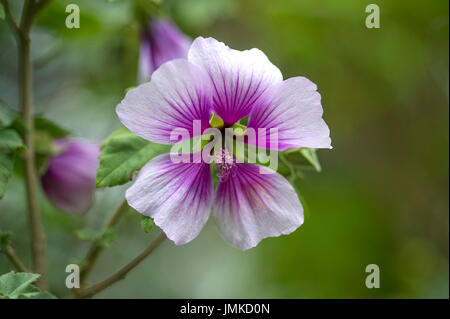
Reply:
x=178, y=94
x=251, y=206
x=293, y=107
x=177, y=196
x=239, y=77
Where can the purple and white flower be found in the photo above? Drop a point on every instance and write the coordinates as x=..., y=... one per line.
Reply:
x=160, y=42
x=69, y=181
x=248, y=204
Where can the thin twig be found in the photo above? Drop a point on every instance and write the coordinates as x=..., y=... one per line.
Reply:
x=10, y=253
x=121, y=274
x=9, y=18
x=22, y=35
x=95, y=249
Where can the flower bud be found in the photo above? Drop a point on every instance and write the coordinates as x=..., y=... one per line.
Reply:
x=161, y=42
x=69, y=181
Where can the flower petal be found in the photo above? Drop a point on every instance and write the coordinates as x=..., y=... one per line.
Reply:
x=177, y=196
x=239, y=77
x=294, y=108
x=251, y=206
x=69, y=181
x=178, y=94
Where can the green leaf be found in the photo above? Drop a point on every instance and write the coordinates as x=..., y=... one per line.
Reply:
x=130, y=88
x=6, y=115
x=29, y=291
x=102, y=238
x=87, y=234
x=10, y=141
x=146, y=223
x=303, y=158
x=106, y=238
x=2, y=12
x=17, y=125
x=124, y=153
x=43, y=125
x=306, y=209
x=5, y=239
x=311, y=156
x=44, y=295
x=216, y=121
x=15, y=285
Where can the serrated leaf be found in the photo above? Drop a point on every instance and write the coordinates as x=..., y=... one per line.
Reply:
x=29, y=291
x=10, y=141
x=146, y=223
x=44, y=295
x=15, y=285
x=124, y=153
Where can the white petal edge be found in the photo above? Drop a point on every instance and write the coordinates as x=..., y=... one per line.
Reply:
x=239, y=77
x=251, y=206
x=178, y=94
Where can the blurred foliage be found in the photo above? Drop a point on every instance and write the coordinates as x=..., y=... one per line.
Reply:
x=10, y=142
x=382, y=195
x=19, y=285
x=102, y=238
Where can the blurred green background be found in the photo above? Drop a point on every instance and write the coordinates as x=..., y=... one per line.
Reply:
x=381, y=198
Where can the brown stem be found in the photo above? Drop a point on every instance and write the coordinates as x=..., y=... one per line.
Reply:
x=95, y=249
x=9, y=19
x=121, y=274
x=9, y=252
x=38, y=240
x=22, y=35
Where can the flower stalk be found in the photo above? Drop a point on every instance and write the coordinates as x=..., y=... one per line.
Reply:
x=95, y=250
x=122, y=273
x=15, y=260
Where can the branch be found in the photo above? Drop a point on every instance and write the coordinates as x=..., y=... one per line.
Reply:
x=22, y=35
x=30, y=10
x=9, y=252
x=121, y=274
x=95, y=249
x=9, y=19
